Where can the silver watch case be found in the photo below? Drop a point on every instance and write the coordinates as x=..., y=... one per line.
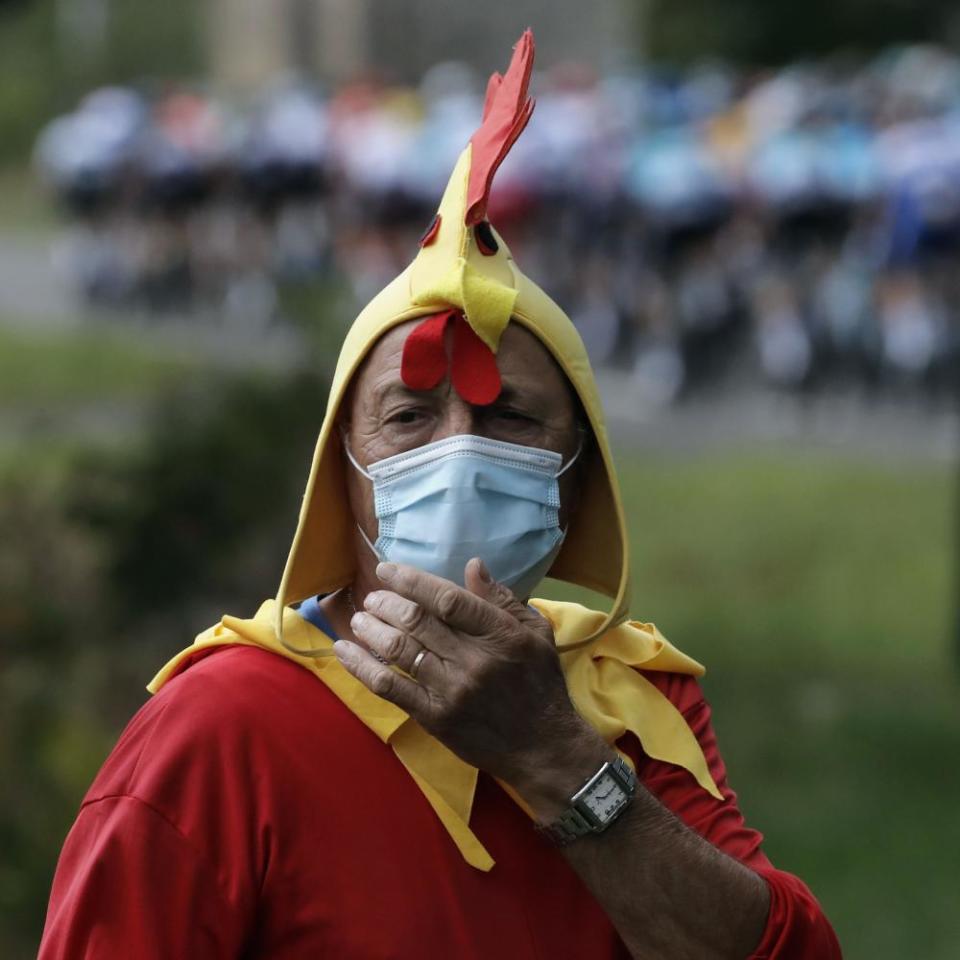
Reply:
x=596, y=804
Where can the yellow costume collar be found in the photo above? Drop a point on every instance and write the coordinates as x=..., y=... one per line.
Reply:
x=604, y=685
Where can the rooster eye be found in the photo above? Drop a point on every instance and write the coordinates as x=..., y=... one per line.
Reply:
x=486, y=241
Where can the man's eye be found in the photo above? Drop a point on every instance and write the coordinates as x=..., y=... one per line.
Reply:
x=406, y=417
x=514, y=415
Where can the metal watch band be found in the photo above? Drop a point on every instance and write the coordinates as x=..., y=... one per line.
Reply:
x=578, y=820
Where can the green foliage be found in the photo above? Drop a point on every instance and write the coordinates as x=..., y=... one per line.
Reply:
x=758, y=32
x=108, y=565
x=797, y=558
x=176, y=519
x=58, y=369
x=53, y=730
x=28, y=87
x=45, y=68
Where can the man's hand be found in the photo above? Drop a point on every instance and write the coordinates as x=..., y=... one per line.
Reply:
x=491, y=688
x=489, y=684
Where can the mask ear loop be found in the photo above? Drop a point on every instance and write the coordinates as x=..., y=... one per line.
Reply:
x=362, y=472
x=352, y=459
x=571, y=461
x=366, y=540
x=557, y=476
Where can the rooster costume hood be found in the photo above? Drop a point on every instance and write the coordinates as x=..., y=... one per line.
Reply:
x=464, y=278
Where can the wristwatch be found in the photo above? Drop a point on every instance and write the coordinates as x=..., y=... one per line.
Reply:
x=595, y=805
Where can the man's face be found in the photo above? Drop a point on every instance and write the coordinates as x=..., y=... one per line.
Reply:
x=536, y=408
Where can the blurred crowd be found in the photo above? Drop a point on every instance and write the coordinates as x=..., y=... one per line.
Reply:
x=801, y=224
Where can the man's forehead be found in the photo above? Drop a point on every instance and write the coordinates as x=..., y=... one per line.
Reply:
x=516, y=340
x=524, y=363
x=393, y=388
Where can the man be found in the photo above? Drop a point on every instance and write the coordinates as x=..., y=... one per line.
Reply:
x=417, y=762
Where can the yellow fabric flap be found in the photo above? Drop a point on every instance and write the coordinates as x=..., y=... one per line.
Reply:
x=614, y=698
x=486, y=303
x=602, y=679
x=381, y=716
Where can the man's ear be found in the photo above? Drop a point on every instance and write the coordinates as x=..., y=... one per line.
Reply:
x=579, y=471
x=344, y=419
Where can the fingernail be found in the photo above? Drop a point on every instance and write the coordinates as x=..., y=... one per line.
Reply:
x=484, y=572
x=386, y=571
x=341, y=650
x=356, y=621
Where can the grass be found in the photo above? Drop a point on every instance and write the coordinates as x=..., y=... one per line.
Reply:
x=60, y=370
x=820, y=594
x=800, y=560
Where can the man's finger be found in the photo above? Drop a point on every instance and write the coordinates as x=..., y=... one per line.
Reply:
x=395, y=646
x=455, y=606
x=419, y=627
x=410, y=697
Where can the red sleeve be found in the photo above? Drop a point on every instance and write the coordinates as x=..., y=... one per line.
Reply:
x=797, y=928
x=128, y=883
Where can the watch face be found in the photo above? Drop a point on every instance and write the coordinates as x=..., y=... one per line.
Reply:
x=605, y=798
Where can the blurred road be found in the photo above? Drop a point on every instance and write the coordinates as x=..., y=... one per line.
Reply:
x=751, y=417
x=29, y=291
x=34, y=296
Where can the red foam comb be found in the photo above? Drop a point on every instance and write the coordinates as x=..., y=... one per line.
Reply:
x=424, y=361
x=506, y=112
x=472, y=364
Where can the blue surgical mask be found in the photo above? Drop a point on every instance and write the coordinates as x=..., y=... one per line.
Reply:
x=443, y=503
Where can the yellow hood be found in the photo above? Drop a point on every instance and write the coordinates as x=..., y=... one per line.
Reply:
x=453, y=270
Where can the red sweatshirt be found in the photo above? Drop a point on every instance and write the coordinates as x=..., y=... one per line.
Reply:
x=245, y=812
